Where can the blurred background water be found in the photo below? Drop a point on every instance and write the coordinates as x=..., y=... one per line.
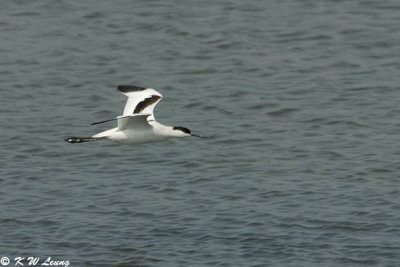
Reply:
x=303, y=97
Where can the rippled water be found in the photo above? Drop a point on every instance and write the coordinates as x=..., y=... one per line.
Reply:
x=303, y=97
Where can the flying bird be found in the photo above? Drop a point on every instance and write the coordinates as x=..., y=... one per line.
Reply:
x=137, y=124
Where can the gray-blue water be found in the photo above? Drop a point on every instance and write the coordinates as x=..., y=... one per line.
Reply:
x=303, y=97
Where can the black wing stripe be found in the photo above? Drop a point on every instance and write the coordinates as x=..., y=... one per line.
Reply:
x=145, y=103
x=130, y=88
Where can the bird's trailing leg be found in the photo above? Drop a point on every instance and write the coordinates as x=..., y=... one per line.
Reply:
x=75, y=139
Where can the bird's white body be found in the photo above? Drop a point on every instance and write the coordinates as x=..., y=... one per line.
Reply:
x=132, y=136
x=137, y=125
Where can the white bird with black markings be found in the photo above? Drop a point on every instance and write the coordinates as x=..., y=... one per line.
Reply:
x=137, y=125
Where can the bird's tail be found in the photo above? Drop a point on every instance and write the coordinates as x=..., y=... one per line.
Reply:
x=75, y=139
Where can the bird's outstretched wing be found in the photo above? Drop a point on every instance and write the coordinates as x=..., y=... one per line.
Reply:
x=140, y=100
x=138, y=122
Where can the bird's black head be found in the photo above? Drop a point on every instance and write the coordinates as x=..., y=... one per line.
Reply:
x=182, y=130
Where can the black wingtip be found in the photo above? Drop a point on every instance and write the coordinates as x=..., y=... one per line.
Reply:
x=130, y=88
x=94, y=123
